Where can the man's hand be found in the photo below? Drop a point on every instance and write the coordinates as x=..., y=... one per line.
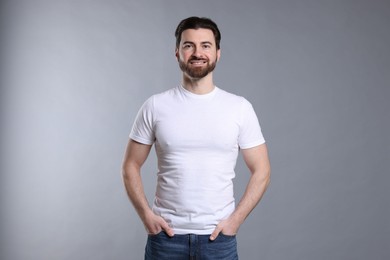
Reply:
x=155, y=224
x=228, y=227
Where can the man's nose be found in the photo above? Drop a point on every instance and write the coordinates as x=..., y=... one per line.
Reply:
x=197, y=53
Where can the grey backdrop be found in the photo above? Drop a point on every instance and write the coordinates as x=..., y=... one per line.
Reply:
x=74, y=74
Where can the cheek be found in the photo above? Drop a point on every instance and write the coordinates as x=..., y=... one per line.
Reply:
x=182, y=57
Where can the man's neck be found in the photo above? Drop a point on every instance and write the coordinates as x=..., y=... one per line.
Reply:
x=199, y=86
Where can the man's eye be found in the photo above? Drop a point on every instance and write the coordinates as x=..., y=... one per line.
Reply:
x=187, y=46
x=206, y=46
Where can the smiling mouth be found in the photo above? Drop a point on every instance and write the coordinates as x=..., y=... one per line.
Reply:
x=198, y=62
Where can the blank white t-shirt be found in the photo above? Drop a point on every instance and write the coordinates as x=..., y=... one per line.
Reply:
x=197, y=139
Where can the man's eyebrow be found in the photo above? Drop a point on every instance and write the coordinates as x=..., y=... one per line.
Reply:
x=205, y=42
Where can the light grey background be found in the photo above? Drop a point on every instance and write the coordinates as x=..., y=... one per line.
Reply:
x=74, y=74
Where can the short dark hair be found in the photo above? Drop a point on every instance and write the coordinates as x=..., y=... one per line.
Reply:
x=196, y=23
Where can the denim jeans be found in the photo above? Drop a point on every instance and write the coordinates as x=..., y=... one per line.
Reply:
x=187, y=247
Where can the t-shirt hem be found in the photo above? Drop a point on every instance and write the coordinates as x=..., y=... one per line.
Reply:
x=195, y=232
x=253, y=144
x=140, y=139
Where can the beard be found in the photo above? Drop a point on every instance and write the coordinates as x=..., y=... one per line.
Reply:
x=197, y=72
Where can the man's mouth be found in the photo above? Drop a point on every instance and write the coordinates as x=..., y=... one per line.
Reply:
x=198, y=62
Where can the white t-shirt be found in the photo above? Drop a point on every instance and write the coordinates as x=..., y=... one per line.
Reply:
x=197, y=139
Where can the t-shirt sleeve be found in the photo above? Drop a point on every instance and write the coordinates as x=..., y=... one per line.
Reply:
x=143, y=127
x=250, y=130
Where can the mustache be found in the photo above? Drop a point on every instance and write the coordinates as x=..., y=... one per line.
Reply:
x=197, y=59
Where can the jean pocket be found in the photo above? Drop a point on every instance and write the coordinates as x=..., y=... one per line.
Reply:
x=156, y=235
x=227, y=236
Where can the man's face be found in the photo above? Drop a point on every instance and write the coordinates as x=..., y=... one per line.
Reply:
x=197, y=53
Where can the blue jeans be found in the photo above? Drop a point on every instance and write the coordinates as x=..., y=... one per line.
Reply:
x=184, y=247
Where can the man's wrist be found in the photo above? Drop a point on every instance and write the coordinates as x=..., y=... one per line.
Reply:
x=237, y=218
x=146, y=213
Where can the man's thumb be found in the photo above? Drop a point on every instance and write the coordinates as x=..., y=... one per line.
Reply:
x=167, y=229
x=215, y=233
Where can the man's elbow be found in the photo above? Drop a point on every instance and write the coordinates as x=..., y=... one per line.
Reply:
x=128, y=170
x=266, y=175
x=268, y=178
x=124, y=173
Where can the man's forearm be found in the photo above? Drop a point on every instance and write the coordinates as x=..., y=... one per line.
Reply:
x=135, y=191
x=153, y=223
x=255, y=190
x=258, y=163
x=136, y=154
x=256, y=159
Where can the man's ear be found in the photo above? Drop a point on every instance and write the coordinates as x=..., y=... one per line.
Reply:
x=218, y=54
x=177, y=53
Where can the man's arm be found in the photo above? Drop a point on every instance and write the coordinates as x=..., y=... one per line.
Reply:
x=135, y=156
x=257, y=160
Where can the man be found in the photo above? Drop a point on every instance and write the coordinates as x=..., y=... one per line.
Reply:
x=197, y=130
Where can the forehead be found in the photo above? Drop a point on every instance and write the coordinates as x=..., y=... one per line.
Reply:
x=198, y=35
